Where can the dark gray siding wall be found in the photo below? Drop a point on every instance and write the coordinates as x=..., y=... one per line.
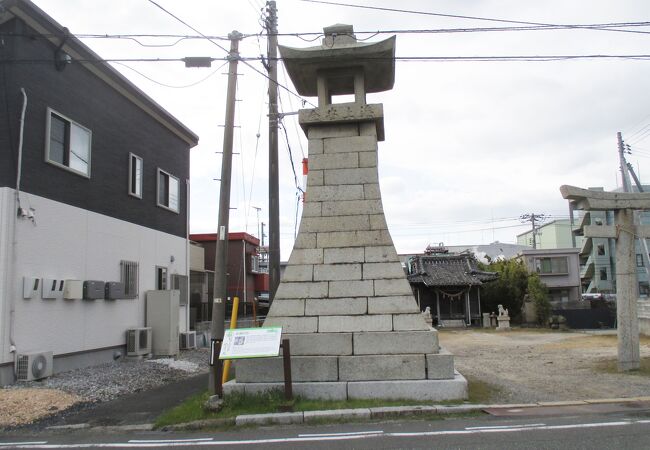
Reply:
x=118, y=127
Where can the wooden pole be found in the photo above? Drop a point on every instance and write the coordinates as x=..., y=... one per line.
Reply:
x=221, y=253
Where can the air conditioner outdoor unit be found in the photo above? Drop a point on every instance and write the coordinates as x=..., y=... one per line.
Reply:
x=138, y=341
x=187, y=340
x=33, y=366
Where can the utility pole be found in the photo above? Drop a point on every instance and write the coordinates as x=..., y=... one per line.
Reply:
x=221, y=254
x=533, y=218
x=625, y=176
x=274, y=190
x=257, y=210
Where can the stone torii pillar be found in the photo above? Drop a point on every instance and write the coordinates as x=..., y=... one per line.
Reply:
x=623, y=232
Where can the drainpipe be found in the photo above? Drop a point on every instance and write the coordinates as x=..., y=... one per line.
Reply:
x=14, y=244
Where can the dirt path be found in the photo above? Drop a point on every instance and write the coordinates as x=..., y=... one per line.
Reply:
x=529, y=366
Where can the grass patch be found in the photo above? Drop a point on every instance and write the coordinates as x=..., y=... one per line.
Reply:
x=273, y=401
x=611, y=366
x=481, y=392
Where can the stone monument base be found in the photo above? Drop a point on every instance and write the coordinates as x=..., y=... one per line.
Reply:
x=425, y=390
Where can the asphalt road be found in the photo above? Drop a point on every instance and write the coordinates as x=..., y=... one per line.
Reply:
x=586, y=431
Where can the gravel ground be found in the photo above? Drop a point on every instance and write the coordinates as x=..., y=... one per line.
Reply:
x=524, y=366
x=37, y=399
x=533, y=366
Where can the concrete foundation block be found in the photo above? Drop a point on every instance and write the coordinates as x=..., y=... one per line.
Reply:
x=403, y=322
x=315, y=178
x=396, y=343
x=304, y=241
x=326, y=390
x=364, y=175
x=397, y=286
x=400, y=304
x=306, y=255
x=378, y=222
x=332, y=272
x=334, y=161
x=292, y=324
x=298, y=273
x=368, y=159
x=337, y=414
x=336, y=193
x=284, y=307
x=303, y=368
x=312, y=209
x=381, y=367
x=387, y=270
x=336, y=306
x=353, y=239
x=320, y=344
x=343, y=255
x=333, y=131
x=371, y=191
x=425, y=390
x=340, y=223
x=440, y=366
x=385, y=253
x=302, y=290
x=350, y=144
x=343, y=324
x=266, y=419
x=315, y=146
x=350, y=288
x=352, y=207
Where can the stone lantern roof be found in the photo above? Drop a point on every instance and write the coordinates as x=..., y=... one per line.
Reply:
x=339, y=54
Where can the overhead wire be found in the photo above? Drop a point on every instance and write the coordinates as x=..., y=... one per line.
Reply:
x=453, y=16
x=171, y=86
x=244, y=61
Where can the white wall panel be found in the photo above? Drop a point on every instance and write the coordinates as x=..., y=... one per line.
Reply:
x=66, y=242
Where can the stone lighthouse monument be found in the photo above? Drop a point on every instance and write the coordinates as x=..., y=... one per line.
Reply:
x=344, y=301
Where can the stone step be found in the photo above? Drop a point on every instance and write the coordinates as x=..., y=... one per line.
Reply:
x=452, y=323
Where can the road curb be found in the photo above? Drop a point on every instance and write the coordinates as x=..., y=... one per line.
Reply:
x=362, y=414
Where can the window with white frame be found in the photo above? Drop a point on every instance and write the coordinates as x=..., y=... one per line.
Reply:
x=168, y=191
x=135, y=175
x=67, y=144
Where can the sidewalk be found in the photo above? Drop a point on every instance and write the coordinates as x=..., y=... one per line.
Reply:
x=133, y=410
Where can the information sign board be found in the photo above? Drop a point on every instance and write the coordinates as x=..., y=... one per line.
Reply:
x=251, y=343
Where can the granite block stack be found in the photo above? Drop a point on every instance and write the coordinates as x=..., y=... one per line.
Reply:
x=344, y=301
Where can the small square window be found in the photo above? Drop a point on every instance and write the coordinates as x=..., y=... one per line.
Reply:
x=67, y=144
x=639, y=260
x=168, y=191
x=161, y=278
x=135, y=175
x=601, y=249
x=603, y=274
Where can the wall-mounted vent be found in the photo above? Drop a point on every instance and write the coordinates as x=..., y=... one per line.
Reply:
x=30, y=287
x=33, y=366
x=52, y=289
x=138, y=341
x=187, y=340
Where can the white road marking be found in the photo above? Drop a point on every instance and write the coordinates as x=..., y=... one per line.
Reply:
x=166, y=441
x=342, y=434
x=500, y=427
x=9, y=444
x=315, y=438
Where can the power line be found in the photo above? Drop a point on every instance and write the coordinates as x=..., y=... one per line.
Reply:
x=245, y=61
x=453, y=16
x=171, y=86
